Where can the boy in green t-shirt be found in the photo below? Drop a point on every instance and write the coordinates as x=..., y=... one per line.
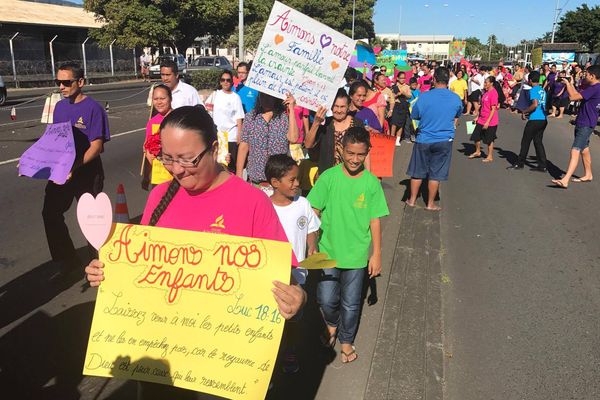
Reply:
x=350, y=201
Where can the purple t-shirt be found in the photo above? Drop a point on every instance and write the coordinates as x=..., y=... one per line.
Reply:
x=87, y=117
x=590, y=107
x=556, y=88
x=369, y=118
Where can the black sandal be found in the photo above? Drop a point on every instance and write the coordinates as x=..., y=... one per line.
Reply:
x=328, y=340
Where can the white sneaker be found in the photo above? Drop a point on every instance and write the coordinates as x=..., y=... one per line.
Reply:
x=398, y=141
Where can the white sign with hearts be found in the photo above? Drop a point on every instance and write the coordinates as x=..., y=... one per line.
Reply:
x=301, y=56
x=95, y=218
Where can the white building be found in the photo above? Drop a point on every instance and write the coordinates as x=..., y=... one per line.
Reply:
x=430, y=46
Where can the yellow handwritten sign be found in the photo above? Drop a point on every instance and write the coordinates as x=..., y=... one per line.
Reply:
x=223, y=138
x=189, y=309
x=159, y=172
x=318, y=261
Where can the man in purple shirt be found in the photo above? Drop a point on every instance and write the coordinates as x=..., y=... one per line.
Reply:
x=90, y=131
x=586, y=121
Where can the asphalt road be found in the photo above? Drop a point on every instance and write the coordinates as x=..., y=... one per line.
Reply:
x=522, y=293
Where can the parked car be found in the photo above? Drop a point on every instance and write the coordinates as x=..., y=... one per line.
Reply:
x=178, y=58
x=210, y=62
x=2, y=92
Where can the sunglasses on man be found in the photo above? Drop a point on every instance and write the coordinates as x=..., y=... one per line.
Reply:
x=65, y=82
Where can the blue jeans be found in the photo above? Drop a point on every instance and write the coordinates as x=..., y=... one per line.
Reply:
x=338, y=293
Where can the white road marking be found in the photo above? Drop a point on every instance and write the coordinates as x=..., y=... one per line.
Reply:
x=111, y=136
x=20, y=122
x=9, y=161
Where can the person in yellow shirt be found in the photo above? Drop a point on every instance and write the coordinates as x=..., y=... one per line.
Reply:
x=459, y=86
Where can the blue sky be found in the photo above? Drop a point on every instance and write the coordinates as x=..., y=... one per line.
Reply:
x=509, y=20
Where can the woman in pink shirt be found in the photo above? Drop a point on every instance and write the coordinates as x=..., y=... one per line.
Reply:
x=161, y=106
x=203, y=191
x=487, y=122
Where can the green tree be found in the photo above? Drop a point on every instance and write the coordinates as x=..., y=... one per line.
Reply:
x=474, y=48
x=136, y=23
x=581, y=25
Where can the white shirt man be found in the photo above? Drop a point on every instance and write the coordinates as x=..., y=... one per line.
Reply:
x=185, y=95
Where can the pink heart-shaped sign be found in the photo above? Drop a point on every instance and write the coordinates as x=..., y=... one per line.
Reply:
x=95, y=218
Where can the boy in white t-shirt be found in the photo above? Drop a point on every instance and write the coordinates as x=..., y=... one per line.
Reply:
x=301, y=225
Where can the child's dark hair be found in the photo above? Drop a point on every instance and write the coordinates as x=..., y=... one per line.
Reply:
x=192, y=118
x=278, y=165
x=413, y=80
x=357, y=134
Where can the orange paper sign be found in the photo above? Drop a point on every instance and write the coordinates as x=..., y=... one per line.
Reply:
x=382, y=155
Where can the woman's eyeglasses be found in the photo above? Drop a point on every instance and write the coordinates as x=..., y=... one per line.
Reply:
x=225, y=80
x=184, y=163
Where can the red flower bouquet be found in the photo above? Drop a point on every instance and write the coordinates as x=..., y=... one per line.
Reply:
x=152, y=145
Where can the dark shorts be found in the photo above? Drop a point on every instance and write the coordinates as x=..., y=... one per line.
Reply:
x=430, y=160
x=475, y=96
x=487, y=136
x=400, y=113
x=582, y=137
x=560, y=102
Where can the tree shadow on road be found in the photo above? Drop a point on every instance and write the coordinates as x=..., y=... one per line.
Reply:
x=37, y=287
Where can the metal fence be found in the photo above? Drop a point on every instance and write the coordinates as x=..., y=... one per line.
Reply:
x=27, y=58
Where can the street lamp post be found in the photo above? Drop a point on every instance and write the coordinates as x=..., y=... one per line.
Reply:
x=52, y=55
x=12, y=56
x=353, y=16
x=241, y=30
x=556, y=14
x=84, y=60
x=112, y=62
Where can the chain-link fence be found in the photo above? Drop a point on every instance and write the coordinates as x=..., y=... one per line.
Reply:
x=32, y=56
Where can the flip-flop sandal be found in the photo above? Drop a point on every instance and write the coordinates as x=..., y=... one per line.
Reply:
x=348, y=355
x=559, y=184
x=433, y=209
x=579, y=180
x=472, y=156
x=485, y=160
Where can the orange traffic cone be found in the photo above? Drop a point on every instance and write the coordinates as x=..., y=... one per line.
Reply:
x=13, y=114
x=121, y=210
